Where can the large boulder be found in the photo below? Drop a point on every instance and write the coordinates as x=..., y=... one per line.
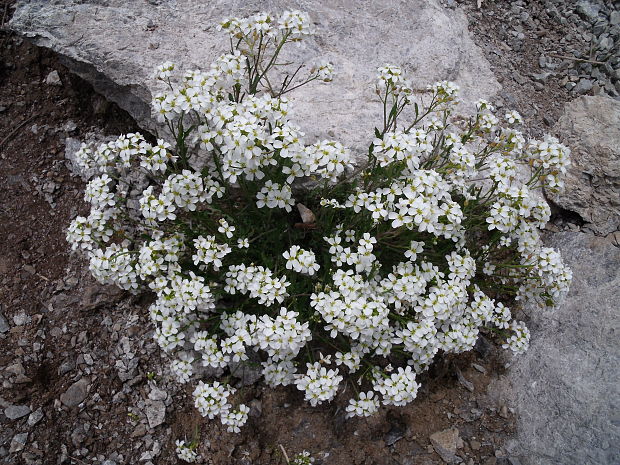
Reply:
x=116, y=44
x=565, y=388
x=591, y=127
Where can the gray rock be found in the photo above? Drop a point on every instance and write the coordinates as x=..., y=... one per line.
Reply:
x=76, y=393
x=479, y=368
x=96, y=296
x=541, y=78
x=248, y=373
x=157, y=394
x=139, y=431
x=520, y=78
x=588, y=10
x=4, y=325
x=398, y=429
x=78, y=435
x=599, y=27
x=18, y=442
x=66, y=367
x=614, y=18
x=542, y=61
x=13, y=412
x=35, y=417
x=565, y=388
x=110, y=45
x=155, y=412
x=16, y=369
x=583, y=86
x=152, y=454
x=53, y=79
x=590, y=127
x=69, y=127
x=464, y=381
x=445, y=444
x=127, y=368
x=21, y=319
x=256, y=408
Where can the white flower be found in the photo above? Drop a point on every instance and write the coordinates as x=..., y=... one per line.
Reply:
x=225, y=228
x=520, y=340
x=303, y=458
x=235, y=419
x=164, y=71
x=400, y=388
x=324, y=71
x=296, y=23
x=437, y=213
x=182, y=369
x=301, y=261
x=319, y=384
x=273, y=195
x=364, y=406
x=212, y=399
x=185, y=452
x=513, y=117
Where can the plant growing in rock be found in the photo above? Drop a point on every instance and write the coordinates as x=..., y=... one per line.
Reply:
x=321, y=267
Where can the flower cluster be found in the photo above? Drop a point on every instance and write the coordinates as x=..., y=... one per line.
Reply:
x=303, y=458
x=433, y=242
x=364, y=406
x=185, y=452
x=318, y=383
x=301, y=261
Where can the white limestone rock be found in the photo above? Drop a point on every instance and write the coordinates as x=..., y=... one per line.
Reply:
x=590, y=126
x=565, y=387
x=116, y=44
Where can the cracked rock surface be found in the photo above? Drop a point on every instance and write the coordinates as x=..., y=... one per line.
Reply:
x=591, y=127
x=565, y=388
x=116, y=45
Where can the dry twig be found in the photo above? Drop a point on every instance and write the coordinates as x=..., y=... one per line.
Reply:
x=584, y=60
x=285, y=454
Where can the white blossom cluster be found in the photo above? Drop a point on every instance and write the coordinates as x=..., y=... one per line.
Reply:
x=301, y=261
x=258, y=282
x=185, y=452
x=399, y=388
x=318, y=383
x=552, y=159
x=182, y=191
x=434, y=242
x=364, y=406
x=303, y=458
x=212, y=399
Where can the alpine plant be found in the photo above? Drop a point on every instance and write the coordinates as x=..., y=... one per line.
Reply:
x=262, y=247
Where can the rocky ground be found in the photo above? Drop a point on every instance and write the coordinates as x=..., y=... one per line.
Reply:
x=547, y=52
x=82, y=380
